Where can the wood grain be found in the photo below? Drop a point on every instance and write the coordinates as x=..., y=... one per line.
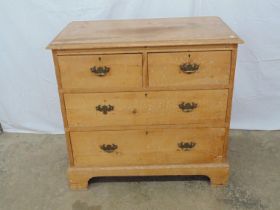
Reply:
x=129, y=50
x=230, y=97
x=141, y=127
x=164, y=69
x=147, y=147
x=146, y=108
x=62, y=106
x=217, y=172
x=145, y=32
x=125, y=71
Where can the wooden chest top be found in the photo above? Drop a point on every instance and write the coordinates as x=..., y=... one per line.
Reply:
x=144, y=33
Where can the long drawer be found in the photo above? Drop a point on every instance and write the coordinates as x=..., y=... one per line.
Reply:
x=147, y=147
x=101, y=72
x=146, y=108
x=187, y=69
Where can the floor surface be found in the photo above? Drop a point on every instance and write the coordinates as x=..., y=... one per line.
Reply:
x=33, y=176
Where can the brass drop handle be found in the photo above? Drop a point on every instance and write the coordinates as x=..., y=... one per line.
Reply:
x=104, y=108
x=100, y=70
x=109, y=148
x=187, y=107
x=186, y=146
x=189, y=68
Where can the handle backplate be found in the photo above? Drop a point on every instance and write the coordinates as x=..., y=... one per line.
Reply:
x=104, y=108
x=100, y=70
x=109, y=148
x=186, y=146
x=187, y=107
x=189, y=68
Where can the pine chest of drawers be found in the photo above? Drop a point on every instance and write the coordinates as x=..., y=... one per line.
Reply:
x=146, y=97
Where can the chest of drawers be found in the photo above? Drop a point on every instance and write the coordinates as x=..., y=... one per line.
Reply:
x=146, y=97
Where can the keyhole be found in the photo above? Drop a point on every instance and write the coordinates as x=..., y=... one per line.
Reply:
x=99, y=58
x=189, y=58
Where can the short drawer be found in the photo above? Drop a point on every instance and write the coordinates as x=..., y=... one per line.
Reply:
x=146, y=108
x=189, y=69
x=147, y=147
x=101, y=72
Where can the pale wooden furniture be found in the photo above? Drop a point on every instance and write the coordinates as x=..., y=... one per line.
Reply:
x=146, y=97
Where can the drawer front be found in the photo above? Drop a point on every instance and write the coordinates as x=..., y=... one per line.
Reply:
x=187, y=69
x=100, y=72
x=147, y=147
x=146, y=108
